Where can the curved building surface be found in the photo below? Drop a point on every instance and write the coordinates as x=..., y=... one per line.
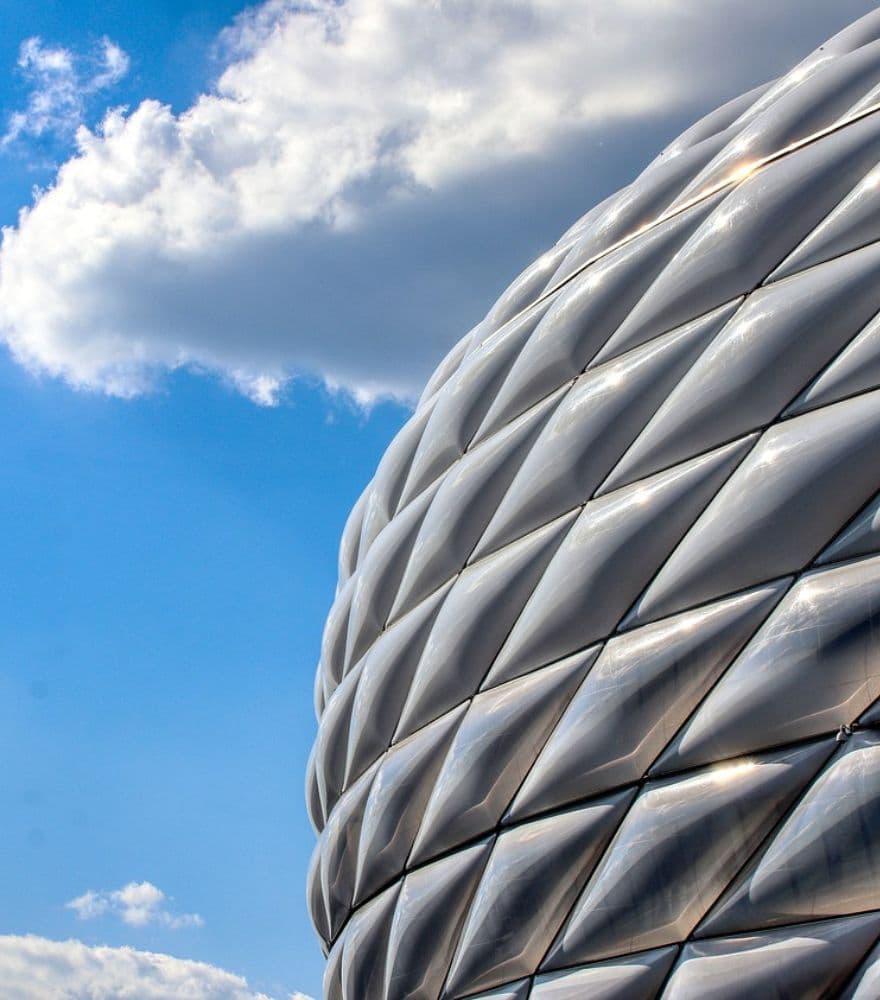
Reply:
x=599, y=690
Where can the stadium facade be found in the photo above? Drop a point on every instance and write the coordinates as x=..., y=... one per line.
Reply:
x=598, y=694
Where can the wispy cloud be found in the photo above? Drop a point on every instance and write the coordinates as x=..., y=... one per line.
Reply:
x=136, y=904
x=360, y=181
x=35, y=968
x=60, y=83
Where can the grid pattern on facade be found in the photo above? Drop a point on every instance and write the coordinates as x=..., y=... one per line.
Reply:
x=598, y=693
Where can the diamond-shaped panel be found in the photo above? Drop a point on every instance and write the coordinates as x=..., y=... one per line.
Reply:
x=599, y=694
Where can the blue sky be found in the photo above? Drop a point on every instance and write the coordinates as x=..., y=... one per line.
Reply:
x=214, y=319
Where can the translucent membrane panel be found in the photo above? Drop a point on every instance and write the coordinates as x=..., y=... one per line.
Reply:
x=378, y=578
x=512, y=991
x=533, y=876
x=856, y=369
x=642, y=688
x=429, y=914
x=809, y=961
x=338, y=850
x=473, y=623
x=335, y=636
x=813, y=667
x=793, y=477
x=463, y=401
x=820, y=92
x=749, y=233
x=496, y=744
x=865, y=984
x=591, y=428
x=639, y=205
x=774, y=345
x=362, y=949
x=854, y=223
x=642, y=895
x=383, y=493
x=615, y=546
x=584, y=314
x=351, y=536
x=639, y=975
x=735, y=112
x=450, y=364
x=524, y=290
x=383, y=684
x=825, y=859
x=332, y=742
x=397, y=801
x=463, y=506
x=859, y=538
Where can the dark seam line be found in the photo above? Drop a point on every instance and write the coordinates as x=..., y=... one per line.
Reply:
x=593, y=869
x=678, y=946
x=635, y=955
x=746, y=869
x=744, y=296
x=468, y=701
x=795, y=576
x=647, y=777
x=752, y=448
x=595, y=493
x=637, y=785
x=730, y=182
x=733, y=181
x=677, y=777
x=815, y=564
x=501, y=827
x=455, y=937
x=580, y=507
x=779, y=927
x=781, y=417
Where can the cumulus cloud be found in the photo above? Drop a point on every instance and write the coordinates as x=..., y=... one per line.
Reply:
x=136, y=904
x=60, y=83
x=35, y=968
x=359, y=182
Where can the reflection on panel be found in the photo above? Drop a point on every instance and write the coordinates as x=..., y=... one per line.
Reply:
x=865, y=984
x=808, y=961
x=639, y=975
x=603, y=563
x=591, y=428
x=599, y=692
x=860, y=537
x=813, y=667
x=476, y=616
x=533, y=875
x=396, y=802
x=643, y=687
x=825, y=858
x=759, y=362
x=792, y=478
x=643, y=894
x=495, y=745
x=429, y=913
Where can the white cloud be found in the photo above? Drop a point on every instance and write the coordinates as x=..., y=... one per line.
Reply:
x=136, y=904
x=324, y=210
x=34, y=968
x=60, y=82
x=113, y=65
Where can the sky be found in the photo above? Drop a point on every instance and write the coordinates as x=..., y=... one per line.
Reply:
x=236, y=242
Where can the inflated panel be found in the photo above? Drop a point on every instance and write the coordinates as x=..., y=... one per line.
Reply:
x=599, y=694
